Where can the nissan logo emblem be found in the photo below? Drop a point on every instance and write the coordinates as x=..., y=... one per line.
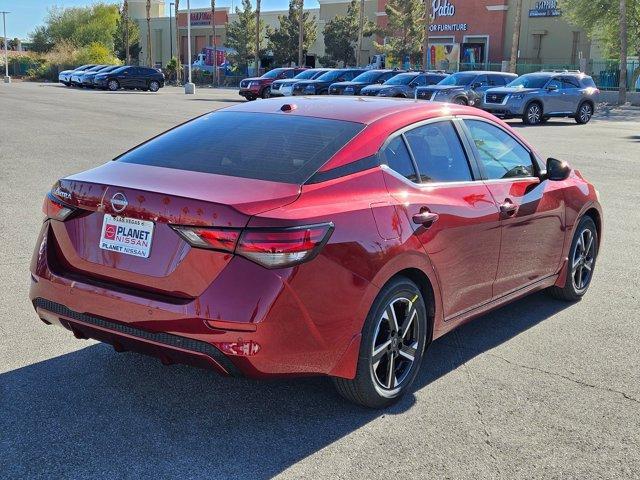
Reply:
x=119, y=202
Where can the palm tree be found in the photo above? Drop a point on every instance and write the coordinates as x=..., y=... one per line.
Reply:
x=178, y=45
x=215, y=49
x=257, y=58
x=301, y=61
x=125, y=14
x=427, y=24
x=360, y=35
x=622, y=85
x=149, y=55
x=515, y=42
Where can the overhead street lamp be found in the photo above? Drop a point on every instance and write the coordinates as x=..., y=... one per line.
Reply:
x=7, y=78
x=189, y=87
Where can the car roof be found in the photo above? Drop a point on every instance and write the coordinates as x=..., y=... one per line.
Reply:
x=351, y=109
x=488, y=72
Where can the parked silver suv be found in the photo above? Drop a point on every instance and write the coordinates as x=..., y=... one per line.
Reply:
x=536, y=97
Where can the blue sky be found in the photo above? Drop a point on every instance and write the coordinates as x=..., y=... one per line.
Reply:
x=27, y=14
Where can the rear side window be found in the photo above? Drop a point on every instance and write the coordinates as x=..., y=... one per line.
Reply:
x=438, y=153
x=568, y=82
x=500, y=155
x=397, y=157
x=587, y=82
x=497, y=80
x=265, y=146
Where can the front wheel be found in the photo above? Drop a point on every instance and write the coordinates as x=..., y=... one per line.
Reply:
x=585, y=112
x=582, y=261
x=460, y=101
x=532, y=114
x=266, y=93
x=113, y=85
x=393, y=342
x=154, y=85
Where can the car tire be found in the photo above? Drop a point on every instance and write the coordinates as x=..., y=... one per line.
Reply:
x=113, y=85
x=581, y=262
x=266, y=92
x=460, y=101
x=154, y=86
x=532, y=114
x=584, y=114
x=394, y=331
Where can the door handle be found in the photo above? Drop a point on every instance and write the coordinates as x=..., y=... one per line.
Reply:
x=508, y=208
x=425, y=218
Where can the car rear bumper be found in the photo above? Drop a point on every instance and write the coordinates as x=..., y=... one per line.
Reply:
x=257, y=329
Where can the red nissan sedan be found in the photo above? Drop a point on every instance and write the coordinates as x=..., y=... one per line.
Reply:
x=328, y=236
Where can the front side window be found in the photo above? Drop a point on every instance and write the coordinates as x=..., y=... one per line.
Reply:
x=398, y=159
x=555, y=82
x=500, y=155
x=438, y=153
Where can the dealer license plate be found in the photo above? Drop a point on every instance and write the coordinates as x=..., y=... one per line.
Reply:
x=126, y=235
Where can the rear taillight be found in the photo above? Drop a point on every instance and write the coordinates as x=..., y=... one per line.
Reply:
x=212, y=238
x=56, y=209
x=276, y=248
x=269, y=247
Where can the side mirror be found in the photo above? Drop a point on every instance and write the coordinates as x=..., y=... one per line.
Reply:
x=557, y=170
x=552, y=88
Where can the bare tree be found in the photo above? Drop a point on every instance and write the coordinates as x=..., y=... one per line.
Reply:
x=301, y=61
x=515, y=41
x=257, y=57
x=622, y=92
x=215, y=47
x=178, y=45
x=427, y=25
x=149, y=53
x=360, y=34
x=125, y=14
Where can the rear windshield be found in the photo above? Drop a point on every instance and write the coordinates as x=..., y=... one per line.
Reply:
x=265, y=146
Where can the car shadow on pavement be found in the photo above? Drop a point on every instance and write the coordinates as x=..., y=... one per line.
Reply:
x=96, y=413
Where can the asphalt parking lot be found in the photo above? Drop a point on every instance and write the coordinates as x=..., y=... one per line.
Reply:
x=537, y=389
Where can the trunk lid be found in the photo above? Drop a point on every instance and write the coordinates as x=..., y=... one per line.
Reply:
x=164, y=197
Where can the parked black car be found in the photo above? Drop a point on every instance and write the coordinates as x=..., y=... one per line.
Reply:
x=369, y=77
x=464, y=88
x=86, y=79
x=128, y=77
x=320, y=86
x=284, y=87
x=403, y=85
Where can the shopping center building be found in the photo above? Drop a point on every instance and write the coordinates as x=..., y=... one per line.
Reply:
x=462, y=31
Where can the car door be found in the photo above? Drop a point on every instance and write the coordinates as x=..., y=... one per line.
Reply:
x=552, y=97
x=571, y=94
x=532, y=209
x=453, y=214
x=478, y=87
x=126, y=78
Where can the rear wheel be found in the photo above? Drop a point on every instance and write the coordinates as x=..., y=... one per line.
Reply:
x=113, y=85
x=532, y=114
x=266, y=93
x=154, y=85
x=393, y=342
x=585, y=112
x=582, y=260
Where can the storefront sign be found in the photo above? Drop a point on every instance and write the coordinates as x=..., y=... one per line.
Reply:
x=200, y=19
x=545, y=8
x=442, y=8
x=448, y=27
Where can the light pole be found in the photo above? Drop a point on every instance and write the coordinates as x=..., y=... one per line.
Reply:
x=7, y=78
x=189, y=87
x=171, y=31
